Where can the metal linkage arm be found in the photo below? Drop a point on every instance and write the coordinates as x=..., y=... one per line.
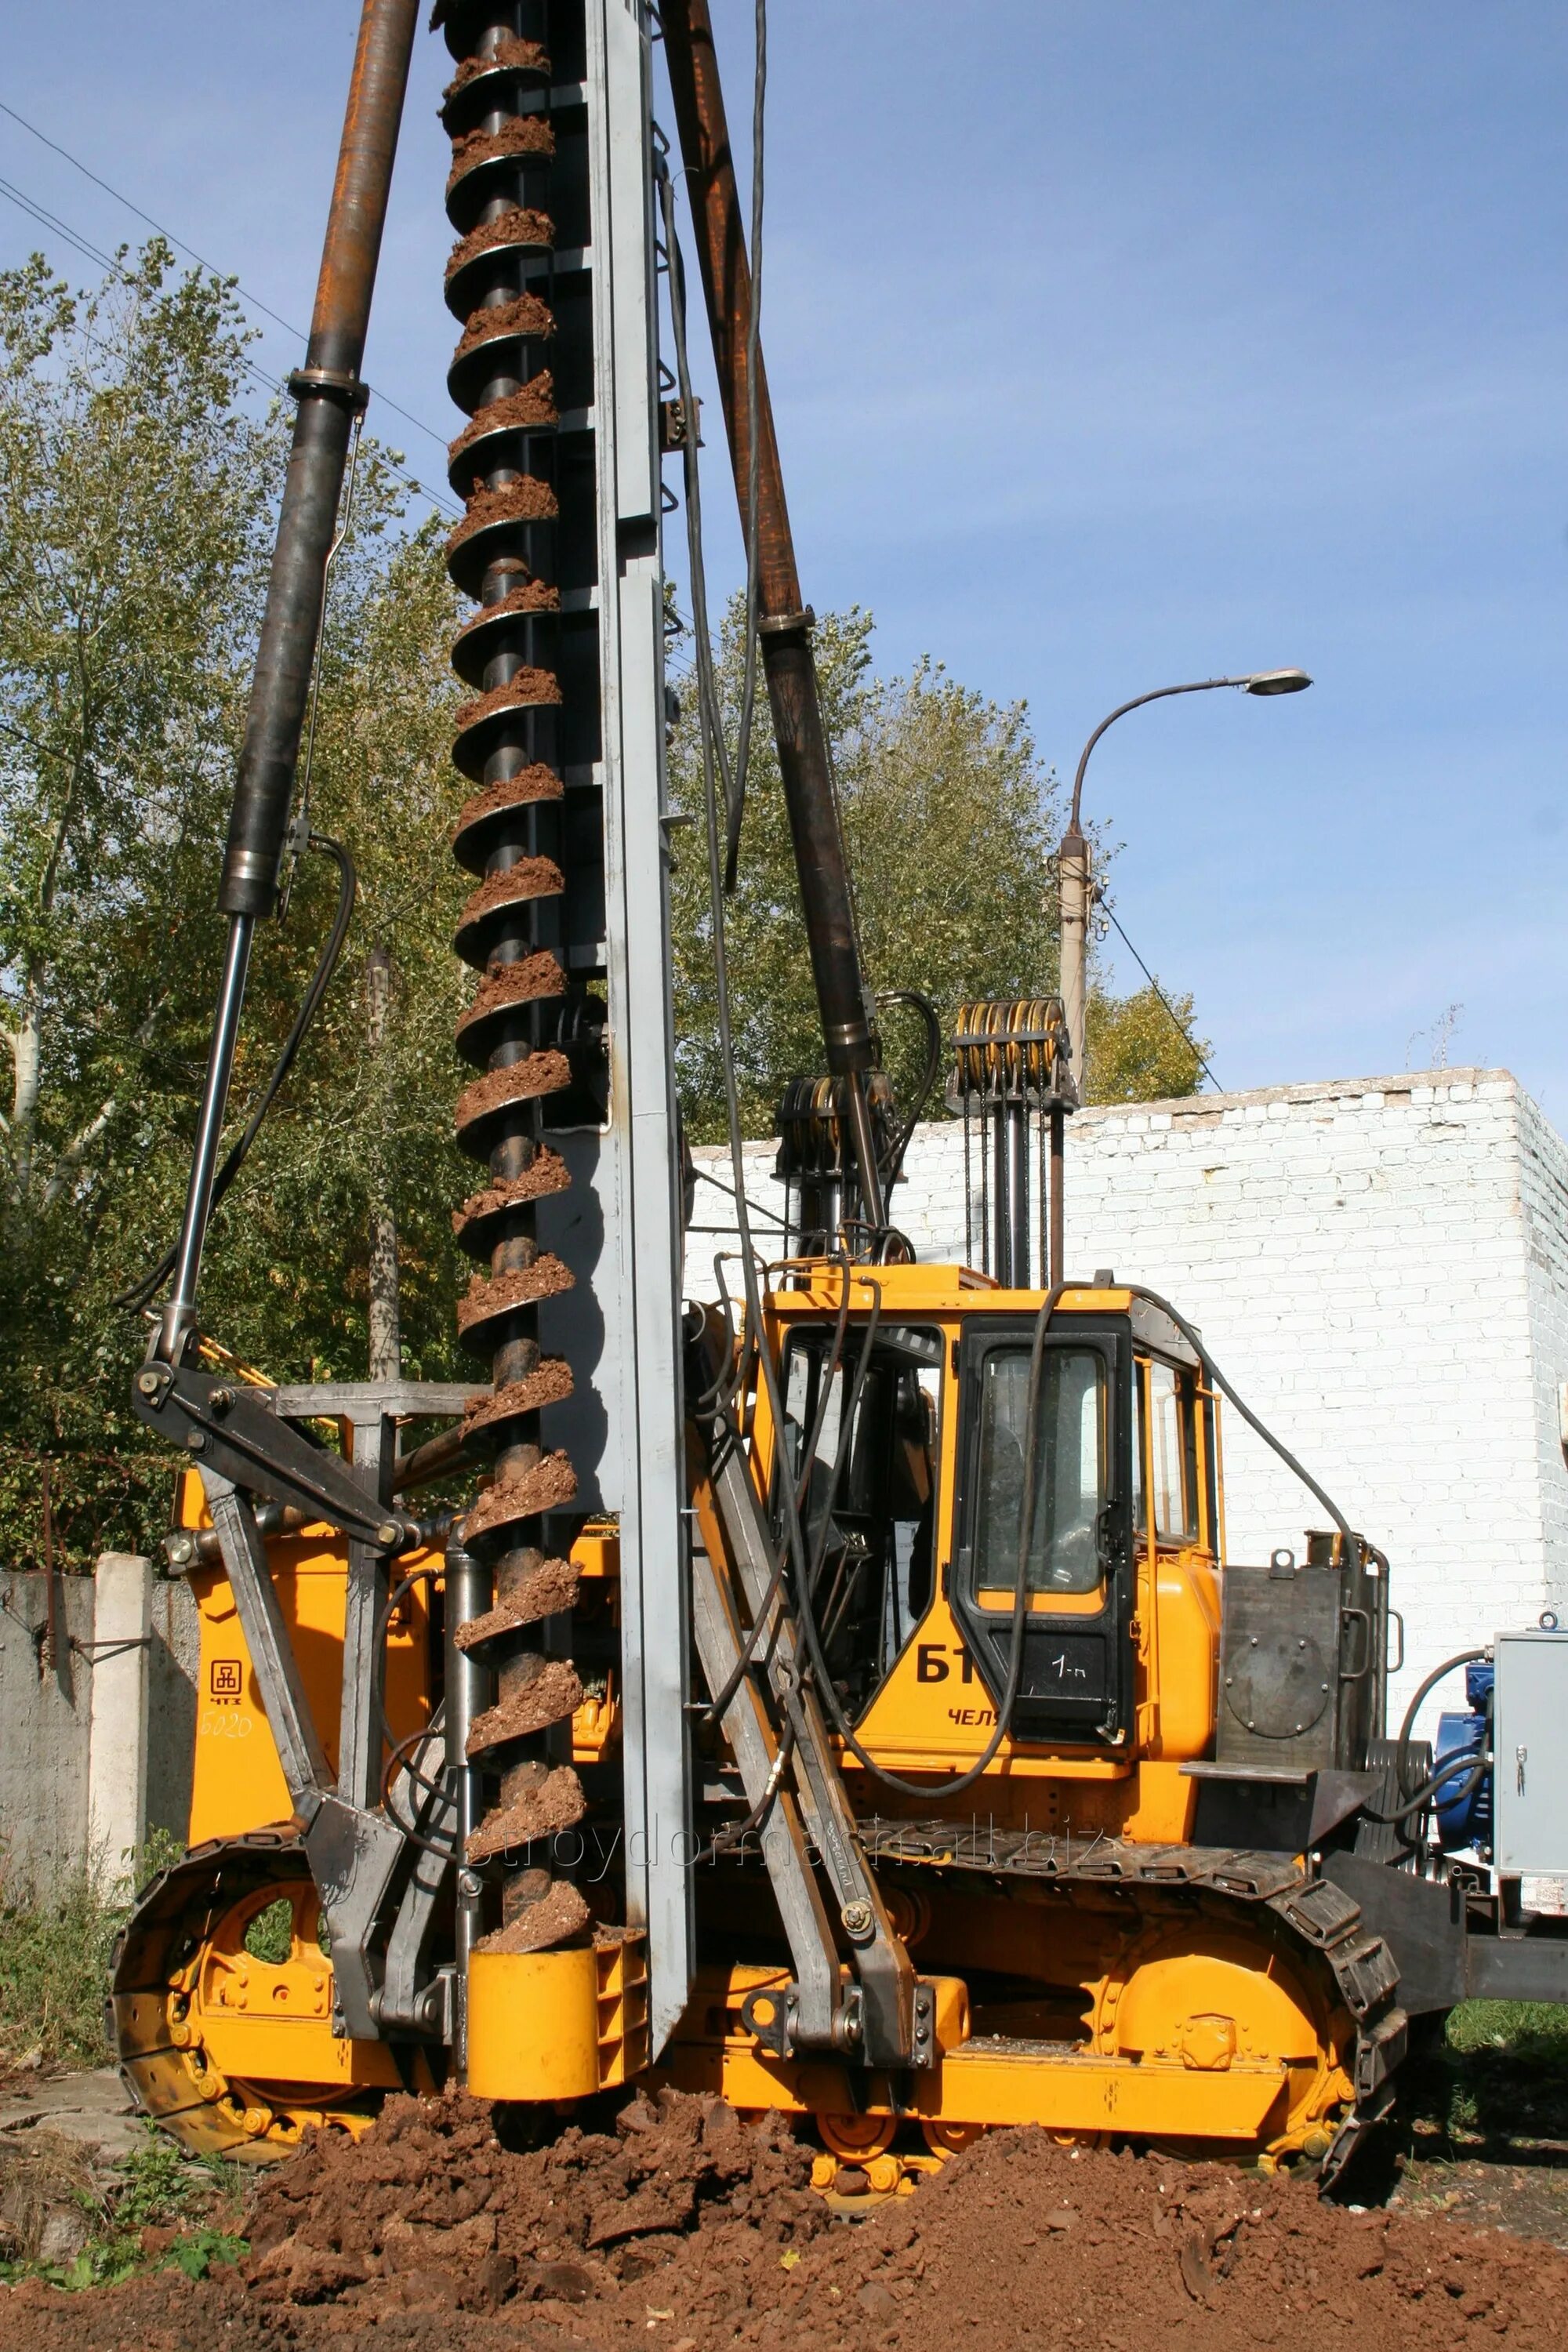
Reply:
x=895, y=2026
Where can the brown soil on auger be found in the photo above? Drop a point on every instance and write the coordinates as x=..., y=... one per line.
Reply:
x=511, y=51
x=528, y=596
x=548, y=1174
x=525, y=134
x=525, y=688
x=676, y=2225
x=527, y=499
x=524, y=315
x=521, y=225
x=550, y=1486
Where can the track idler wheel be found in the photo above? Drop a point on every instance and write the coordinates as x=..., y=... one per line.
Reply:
x=220, y=2006
x=1209, y=1987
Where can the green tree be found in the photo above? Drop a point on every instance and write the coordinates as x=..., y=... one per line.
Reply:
x=135, y=495
x=137, y=506
x=951, y=819
x=337, y=1252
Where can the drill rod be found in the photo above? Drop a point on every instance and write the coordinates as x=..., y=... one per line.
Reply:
x=789, y=663
x=330, y=395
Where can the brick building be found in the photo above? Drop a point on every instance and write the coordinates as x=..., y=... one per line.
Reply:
x=1381, y=1268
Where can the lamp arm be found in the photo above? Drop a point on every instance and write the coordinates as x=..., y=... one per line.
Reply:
x=1198, y=686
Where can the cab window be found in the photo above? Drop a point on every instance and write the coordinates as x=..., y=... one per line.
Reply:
x=868, y=1490
x=1172, y=1443
x=1070, y=1477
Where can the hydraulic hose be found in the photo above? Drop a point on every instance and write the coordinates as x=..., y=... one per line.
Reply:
x=309, y=1005
x=1461, y=1658
x=1476, y=1767
x=1009, y=1698
x=1275, y=1444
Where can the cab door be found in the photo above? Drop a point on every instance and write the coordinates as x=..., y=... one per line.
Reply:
x=1076, y=1687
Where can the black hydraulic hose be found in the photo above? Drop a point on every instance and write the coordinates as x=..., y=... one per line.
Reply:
x=893, y=1165
x=732, y=1681
x=309, y=1005
x=1195, y=1342
x=444, y=1854
x=1465, y=1761
x=1461, y=1658
x=848, y=1408
x=725, y=1841
x=1008, y=1700
x=426, y=1575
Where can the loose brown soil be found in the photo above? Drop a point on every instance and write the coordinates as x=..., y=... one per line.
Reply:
x=527, y=315
x=534, y=405
x=489, y=1294
x=512, y=51
x=528, y=877
x=549, y=1488
x=528, y=686
x=527, y=500
x=526, y=135
x=553, y=1694
x=679, y=2226
x=552, y=1384
x=540, y=1074
x=534, y=977
x=550, y=1912
x=528, y=596
x=520, y=225
x=551, y=1803
x=534, y=783
x=549, y=1173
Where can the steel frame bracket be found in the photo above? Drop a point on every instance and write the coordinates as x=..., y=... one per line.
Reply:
x=882, y=2028
x=234, y=1433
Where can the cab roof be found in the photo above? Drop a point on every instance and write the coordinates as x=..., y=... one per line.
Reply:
x=816, y=1287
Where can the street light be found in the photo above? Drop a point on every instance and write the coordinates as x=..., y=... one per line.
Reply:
x=1073, y=878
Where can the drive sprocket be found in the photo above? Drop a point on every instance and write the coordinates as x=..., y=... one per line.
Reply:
x=228, y=2047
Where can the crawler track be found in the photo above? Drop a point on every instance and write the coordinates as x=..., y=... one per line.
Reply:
x=1318, y=1917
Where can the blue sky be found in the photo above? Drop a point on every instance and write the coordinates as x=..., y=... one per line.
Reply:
x=1113, y=342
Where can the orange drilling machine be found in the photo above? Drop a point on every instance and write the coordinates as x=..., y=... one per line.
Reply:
x=835, y=1695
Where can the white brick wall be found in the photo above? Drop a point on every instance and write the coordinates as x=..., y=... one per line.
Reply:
x=1381, y=1268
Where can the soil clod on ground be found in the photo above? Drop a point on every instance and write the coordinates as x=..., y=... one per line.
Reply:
x=683, y=2226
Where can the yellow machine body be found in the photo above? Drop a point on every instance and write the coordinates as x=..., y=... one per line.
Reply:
x=1153, y=2012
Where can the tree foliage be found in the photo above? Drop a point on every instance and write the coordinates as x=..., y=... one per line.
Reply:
x=951, y=819
x=138, y=499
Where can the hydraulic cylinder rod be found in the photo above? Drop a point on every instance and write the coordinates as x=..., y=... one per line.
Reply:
x=844, y=1004
x=330, y=395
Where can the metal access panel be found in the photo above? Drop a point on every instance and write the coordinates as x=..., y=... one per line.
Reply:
x=618, y=1227
x=1278, y=1668
x=1530, y=1741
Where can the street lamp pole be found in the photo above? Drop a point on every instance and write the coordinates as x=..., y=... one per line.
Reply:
x=1074, y=880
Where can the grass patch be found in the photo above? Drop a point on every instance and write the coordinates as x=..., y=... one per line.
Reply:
x=54, y=1960
x=62, y=2221
x=1526, y=2028
x=1494, y=2085
x=54, y=1973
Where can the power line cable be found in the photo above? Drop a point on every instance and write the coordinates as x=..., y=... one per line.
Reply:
x=1178, y=1023
x=107, y=261
x=255, y=301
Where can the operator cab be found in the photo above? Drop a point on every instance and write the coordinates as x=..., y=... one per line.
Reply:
x=906, y=1436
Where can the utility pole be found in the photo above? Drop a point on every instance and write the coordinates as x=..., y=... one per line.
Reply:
x=1075, y=896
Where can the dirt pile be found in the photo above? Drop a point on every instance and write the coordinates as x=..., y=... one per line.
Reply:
x=686, y=2229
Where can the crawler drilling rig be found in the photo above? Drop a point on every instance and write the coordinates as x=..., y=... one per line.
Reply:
x=839, y=1705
